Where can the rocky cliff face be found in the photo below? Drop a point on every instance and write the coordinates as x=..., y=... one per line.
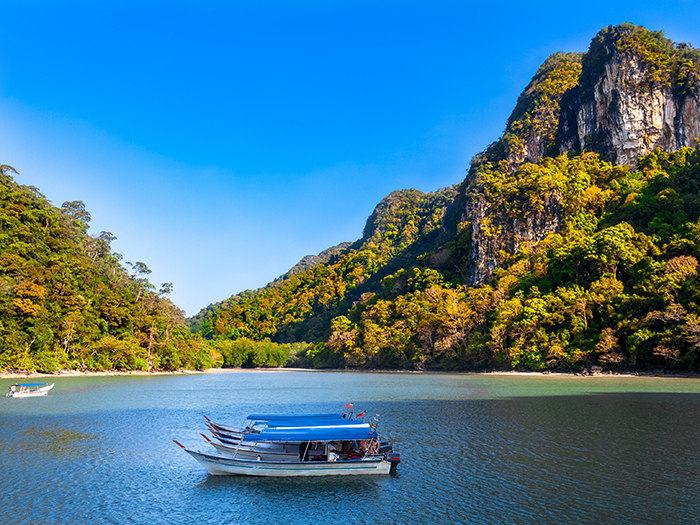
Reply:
x=496, y=233
x=631, y=99
x=632, y=92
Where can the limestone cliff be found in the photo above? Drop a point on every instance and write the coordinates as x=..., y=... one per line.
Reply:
x=638, y=92
x=498, y=230
x=632, y=92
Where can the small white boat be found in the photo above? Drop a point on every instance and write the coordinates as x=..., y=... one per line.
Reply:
x=221, y=465
x=29, y=389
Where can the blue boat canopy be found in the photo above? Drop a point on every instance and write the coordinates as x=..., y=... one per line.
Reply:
x=285, y=417
x=30, y=384
x=313, y=434
x=285, y=423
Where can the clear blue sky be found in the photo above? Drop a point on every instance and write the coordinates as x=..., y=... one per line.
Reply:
x=223, y=141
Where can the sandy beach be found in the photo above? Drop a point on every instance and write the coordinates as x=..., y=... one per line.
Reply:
x=23, y=374
x=20, y=374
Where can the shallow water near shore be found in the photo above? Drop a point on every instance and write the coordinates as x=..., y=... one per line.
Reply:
x=474, y=449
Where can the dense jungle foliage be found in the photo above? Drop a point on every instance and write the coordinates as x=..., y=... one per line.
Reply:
x=66, y=302
x=614, y=286
x=315, y=295
x=618, y=287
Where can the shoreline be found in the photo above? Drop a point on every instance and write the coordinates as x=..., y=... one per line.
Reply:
x=19, y=374
x=94, y=373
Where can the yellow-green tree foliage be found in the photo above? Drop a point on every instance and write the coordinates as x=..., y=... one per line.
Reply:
x=67, y=303
x=402, y=219
x=616, y=286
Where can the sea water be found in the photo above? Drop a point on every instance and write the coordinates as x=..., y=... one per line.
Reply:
x=474, y=448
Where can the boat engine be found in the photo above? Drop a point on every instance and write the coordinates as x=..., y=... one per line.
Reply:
x=384, y=447
x=394, y=458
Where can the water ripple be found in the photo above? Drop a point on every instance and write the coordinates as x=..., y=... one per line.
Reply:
x=475, y=450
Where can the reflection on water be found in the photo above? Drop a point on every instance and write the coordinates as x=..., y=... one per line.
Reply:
x=475, y=449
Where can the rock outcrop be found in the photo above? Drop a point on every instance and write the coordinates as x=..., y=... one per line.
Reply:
x=496, y=233
x=632, y=92
x=637, y=92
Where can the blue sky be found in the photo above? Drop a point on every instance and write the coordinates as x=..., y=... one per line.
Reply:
x=223, y=141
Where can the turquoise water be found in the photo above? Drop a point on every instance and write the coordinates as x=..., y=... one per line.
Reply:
x=475, y=449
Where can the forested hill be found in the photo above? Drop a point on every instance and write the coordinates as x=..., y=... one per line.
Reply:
x=66, y=302
x=573, y=242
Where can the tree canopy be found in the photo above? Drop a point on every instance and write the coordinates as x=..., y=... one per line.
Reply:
x=616, y=286
x=66, y=302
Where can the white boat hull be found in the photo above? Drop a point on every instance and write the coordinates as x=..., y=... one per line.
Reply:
x=220, y=465
x=33, y=393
